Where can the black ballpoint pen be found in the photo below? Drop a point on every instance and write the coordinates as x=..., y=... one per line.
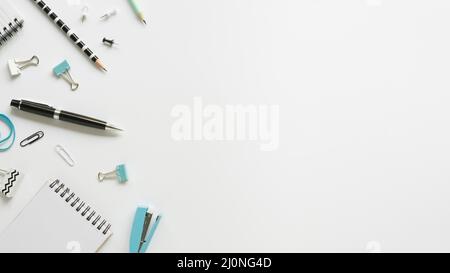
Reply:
x=50, y=112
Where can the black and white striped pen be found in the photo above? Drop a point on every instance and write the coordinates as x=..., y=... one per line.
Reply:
x=69, y=32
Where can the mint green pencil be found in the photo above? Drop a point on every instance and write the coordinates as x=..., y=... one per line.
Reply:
x=137, y=10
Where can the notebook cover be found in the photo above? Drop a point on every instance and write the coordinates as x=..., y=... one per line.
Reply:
x=50, y=224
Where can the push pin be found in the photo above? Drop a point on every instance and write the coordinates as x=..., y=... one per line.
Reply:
x=62, y=70
x=85, y=13
x=9, y=181
x=109, y=42
x=120, y=173
x=109, y=14
x=16, y=66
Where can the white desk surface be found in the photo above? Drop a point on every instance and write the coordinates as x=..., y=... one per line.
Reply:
x=363, y=90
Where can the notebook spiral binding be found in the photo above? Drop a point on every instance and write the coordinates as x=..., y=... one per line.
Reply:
x=8, y=31
x=85, y=210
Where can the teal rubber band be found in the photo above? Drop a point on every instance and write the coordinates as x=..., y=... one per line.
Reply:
x=11, y=136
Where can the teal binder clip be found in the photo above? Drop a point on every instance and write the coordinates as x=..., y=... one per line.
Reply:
x=62, y=70
x=144, y=227
x=120, y=173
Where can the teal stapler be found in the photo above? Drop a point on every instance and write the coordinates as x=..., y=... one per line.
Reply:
x=144, y=227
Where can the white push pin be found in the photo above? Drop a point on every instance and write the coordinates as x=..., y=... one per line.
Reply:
x=16, y=66
x=109, y=14
x=9, y=181
x=85, y=13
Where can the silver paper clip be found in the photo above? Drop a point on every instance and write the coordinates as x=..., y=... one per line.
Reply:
x=16, y=66
x=31, y=139
x=64, y=155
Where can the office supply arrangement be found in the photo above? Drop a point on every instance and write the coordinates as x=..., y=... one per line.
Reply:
x=10, y=21
x=56, y=218
x=120, y=173
x=62, y=71
x=62, y=152
x=7, y=142
x=16, y=66
x=70, y=34
x=9, y=181
x=32, y=139
x=145, y=223
x=137, y=10
x=50, y=112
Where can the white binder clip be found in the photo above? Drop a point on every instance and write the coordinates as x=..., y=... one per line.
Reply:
x=16, y=66
x=9, y=181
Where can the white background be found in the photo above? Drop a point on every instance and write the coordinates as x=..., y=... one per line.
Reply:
x=363, y=90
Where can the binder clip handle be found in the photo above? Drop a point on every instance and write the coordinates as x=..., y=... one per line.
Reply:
x=120, y=173
x=73, y=85
x=16, y=66
x=34, y=61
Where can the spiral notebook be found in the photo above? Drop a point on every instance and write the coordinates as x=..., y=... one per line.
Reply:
x=57, y=220
x=10, y=21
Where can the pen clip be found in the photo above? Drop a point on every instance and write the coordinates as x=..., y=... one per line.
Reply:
x=36, y=104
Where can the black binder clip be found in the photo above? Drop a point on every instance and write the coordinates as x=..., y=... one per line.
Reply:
x=32, y=139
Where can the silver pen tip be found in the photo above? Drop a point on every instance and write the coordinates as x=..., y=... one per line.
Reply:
x=112, y=127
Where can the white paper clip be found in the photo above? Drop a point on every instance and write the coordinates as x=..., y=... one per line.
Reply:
x=64, y=155
x=109, y=14
x=9, y=181
x=16, y=66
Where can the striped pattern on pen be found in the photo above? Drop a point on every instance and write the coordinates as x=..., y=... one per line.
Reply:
x=69, y=32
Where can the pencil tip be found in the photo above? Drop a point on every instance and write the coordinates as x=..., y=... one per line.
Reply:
x=101, y=65
x=145, y=22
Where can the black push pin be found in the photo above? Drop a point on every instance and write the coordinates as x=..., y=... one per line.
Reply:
x=109, y=42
